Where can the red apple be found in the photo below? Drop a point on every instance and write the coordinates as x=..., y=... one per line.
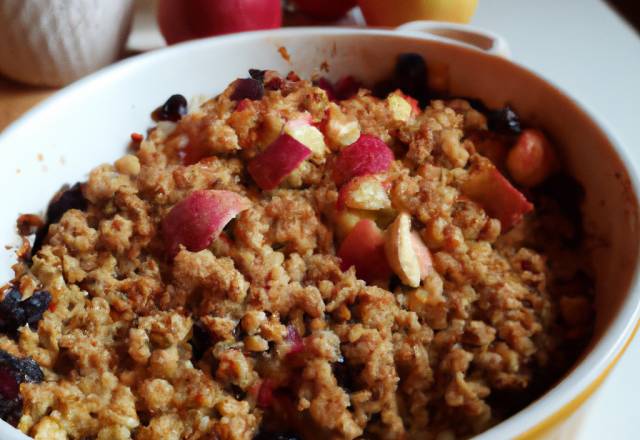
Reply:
x=198, y=220
x=277, y=161
x=182, y=20
x=532, y=160
x=364, y=249
x=499, y=198
x=367, y=155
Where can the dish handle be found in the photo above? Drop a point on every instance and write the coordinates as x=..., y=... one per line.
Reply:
x=479, y=38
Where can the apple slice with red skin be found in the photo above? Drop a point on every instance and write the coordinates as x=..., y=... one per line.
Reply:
x=423, y=254
x=277, y=161
x=367, y=155
x=198, y=220
x=406, y=253
x=485, y=185
x=364, y=249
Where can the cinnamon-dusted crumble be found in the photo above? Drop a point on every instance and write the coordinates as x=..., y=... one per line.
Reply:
x=278, y=261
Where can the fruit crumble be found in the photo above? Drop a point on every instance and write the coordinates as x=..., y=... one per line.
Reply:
x=301, y=260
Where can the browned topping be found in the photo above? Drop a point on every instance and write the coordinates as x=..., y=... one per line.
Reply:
x=260, y=327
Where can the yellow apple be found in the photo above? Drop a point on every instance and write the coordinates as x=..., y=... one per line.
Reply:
x=394, y=13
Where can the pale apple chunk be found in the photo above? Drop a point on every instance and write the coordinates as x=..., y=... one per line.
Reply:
x=341, y=129
x=400, y=109
x=364, y=192
x=301, y=130
x=399, y=248
x=486, y=186
x=532, y=160
x=198, y=220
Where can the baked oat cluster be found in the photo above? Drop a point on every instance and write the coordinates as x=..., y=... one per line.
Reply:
x=284, y=261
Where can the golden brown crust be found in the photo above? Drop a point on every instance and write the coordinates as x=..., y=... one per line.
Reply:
x=396, y=362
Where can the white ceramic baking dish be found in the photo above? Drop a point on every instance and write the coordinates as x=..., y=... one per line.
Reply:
x=90, y=123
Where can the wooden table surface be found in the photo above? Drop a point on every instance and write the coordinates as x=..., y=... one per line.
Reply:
x=16, y=99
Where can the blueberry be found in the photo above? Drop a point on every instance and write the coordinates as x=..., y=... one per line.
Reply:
x=71, y=198
x=410, y=76
x=15, y=313
x=503, y=121
x=13, y=372
x=173, y=110
x=201, y=340
x=343, y=375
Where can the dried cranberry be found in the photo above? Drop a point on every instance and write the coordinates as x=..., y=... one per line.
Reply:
x=265, y=394
x=271, y=435
x=256, y=74
x=325, y=85
x=294, y=340
x=13, y=372
x=347, y=87
x=71, y=198
x=173, y=110
x=15, y=313
x=9, y=388
x=248, y=88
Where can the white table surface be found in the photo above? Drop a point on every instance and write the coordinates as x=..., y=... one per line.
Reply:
x=586, y=49
x=589, y=51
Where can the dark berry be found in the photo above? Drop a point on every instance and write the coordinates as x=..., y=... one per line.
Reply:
x=410, y=76
x=248, y=88
x=13, y=372
x=325, y=85
x=347, y=87
x=342, y=374
x=173, y=110
x=271, y=435
x=9, y=388
x=71, y=198
x=15, y=313
x=503, y=121
x=256, y=74
x=201, y=340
